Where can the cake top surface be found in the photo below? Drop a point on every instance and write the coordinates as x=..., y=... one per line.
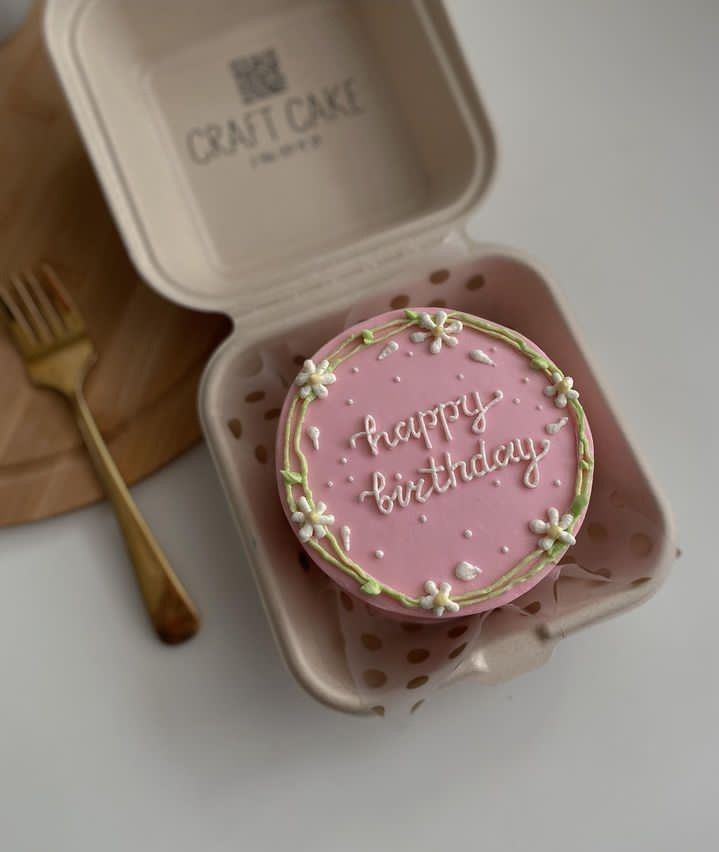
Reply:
x=434, y=463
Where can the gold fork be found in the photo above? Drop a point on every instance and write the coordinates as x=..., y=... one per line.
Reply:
x=50, y=334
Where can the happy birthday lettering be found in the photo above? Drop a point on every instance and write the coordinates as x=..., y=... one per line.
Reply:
x=444, y=473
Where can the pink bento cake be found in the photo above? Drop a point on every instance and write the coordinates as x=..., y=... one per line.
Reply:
x=434, y=464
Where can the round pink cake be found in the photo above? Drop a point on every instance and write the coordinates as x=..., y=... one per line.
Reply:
x=433, y=463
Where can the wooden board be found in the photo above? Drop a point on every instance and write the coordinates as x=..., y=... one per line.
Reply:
x=143, y=390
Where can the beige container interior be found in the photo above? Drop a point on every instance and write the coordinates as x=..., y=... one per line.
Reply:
x=327, y=186
x=397, y=150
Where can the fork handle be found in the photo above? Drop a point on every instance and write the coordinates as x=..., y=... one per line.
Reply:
x=171, y=611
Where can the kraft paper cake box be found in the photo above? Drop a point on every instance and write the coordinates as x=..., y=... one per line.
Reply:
x=302, y=165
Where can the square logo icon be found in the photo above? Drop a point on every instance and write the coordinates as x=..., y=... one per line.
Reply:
x=258, y=76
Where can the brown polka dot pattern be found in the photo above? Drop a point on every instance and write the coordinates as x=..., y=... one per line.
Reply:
x=255, y=396
x=346, y=601
x=438, y=303
x=417, y=655
x=439, y=276
x=455, y=652
x=235, y=426
x=410, y=627
x=371, y=642
x=304, y=560
x=457, y=631
x=417, y=705
x=378, y=710
x=533, y=608
x=272, y=414
x=597, y=532
x=416, y=682
x=261, y=454
x=399, y=302
x=476, y=282
x=374, y=678
x=299, y=360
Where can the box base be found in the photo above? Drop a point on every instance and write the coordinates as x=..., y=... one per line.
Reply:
x=624, y=549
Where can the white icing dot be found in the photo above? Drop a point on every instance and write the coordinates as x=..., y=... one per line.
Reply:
x=460, y=376
x=557, y=483
x=492, y=348
x=516, y=400
x=314, y=435
x=538, y=407
x=398, y=477
x=329, y=483
x=388, y=350
x=466, y=571
x=409, y=354
x=354, y=370
x=350, y=478
x=481, y=357
x=423, y=519
x=504, y=549
x=350, y=402
x=344, y=460
x=496, y=483
x=379, y=554
x=467, y=533
x=525, y=380
x=397, y=379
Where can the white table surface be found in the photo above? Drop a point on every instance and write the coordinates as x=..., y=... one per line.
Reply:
x=608, y=126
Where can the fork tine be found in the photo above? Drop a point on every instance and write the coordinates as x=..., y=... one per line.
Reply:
x=16, y=315
x=47, y=309
x=31, y=310
x=60, y=297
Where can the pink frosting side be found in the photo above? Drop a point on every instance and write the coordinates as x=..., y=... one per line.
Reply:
x=483, y=522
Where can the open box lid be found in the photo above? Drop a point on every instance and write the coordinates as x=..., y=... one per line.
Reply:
x=246, y=145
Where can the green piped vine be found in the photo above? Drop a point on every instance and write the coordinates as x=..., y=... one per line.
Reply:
x=295, y=471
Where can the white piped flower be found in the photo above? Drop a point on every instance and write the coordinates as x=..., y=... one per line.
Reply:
x=438, y=599
x=437, y=331
x=313, y=520
x=553, y=530
x=562, y=389
x=313, y=378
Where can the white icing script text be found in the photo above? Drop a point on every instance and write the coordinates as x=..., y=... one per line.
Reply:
x=448, y=474
x=419, y=425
